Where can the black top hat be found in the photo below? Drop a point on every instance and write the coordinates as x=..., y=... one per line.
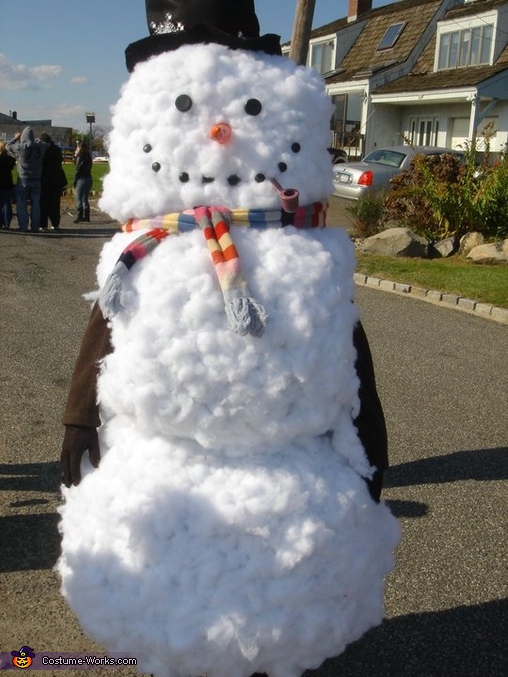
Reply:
x=237, y=17
x=174, y=23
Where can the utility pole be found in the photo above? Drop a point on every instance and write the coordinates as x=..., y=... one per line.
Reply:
x=90, y=118
x=302, y=27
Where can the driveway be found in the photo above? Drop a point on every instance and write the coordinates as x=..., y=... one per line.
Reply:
x=443, y=379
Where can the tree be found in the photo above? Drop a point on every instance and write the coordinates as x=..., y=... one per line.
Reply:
x=99, y=141
x=99, y=138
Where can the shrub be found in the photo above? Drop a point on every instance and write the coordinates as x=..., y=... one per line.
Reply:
x=434, y=197
x=492, y=201
x=369, y=213
x=443, y=196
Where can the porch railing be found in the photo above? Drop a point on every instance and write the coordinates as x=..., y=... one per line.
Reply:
x=352, y=143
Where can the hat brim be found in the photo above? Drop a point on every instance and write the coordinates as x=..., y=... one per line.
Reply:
x=144, y=49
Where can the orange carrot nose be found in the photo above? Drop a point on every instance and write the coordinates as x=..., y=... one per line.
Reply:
x=221, y=132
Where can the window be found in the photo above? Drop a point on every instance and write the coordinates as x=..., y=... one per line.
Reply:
x=390, y=158
x=467, y=47
x=347, y=113
x=423, y=131
x=321, y=57
x=346, y=122
x=391, y=36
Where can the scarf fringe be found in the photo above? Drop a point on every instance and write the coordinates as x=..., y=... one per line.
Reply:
x=110, y=296
x=246, y=316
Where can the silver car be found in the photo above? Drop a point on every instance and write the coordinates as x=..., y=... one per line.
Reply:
x=353, y=179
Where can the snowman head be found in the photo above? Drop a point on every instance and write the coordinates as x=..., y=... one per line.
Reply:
x=214, y=124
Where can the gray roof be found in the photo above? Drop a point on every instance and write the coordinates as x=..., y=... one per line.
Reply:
x=424, y=78
x=364, y=59
x=364, y=56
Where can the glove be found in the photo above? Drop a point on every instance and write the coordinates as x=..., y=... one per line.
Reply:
x=77, y=439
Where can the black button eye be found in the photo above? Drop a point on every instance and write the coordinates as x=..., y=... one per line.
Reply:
x=184, y=177
x=253, y=107
x=282, y=166
x=183, y=103
x=296, y=147
x=156, y=167
x=147, y=148
x=259, y=178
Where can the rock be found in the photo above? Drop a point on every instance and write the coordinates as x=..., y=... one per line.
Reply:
x=397, y=242
x=445, y=248
x=470, y=240
x=494, y=252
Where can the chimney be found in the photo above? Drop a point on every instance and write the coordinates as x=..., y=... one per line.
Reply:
x=14, y=114
x=357, y=7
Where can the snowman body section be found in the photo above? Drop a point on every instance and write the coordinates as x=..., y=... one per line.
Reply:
x=228, y=529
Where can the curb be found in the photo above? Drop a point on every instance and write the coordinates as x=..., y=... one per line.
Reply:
x=466, y=305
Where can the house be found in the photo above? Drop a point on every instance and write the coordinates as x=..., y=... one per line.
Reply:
x=10, y=124
x=425, y=72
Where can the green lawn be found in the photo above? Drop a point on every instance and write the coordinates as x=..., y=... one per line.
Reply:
x=99, y=169
x=455, y=275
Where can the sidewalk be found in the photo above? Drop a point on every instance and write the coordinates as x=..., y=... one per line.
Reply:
x=484, y=310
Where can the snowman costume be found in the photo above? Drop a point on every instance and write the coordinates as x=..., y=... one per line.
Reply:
x=229, y=528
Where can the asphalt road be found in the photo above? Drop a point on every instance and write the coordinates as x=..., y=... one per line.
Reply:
x=443, y=379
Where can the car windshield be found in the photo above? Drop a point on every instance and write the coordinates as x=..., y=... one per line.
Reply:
x=392, y=158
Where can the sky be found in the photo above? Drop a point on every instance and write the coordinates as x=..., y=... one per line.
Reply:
x=60, y=59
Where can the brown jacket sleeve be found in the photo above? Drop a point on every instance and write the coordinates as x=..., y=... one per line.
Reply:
x=82, y=408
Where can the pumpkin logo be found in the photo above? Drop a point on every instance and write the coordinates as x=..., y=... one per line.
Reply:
x=23, y=658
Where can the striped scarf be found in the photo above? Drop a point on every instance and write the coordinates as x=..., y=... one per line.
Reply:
x=245, y=314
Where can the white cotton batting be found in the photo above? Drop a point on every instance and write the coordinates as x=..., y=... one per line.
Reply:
x=224, y=529
x=228, y=529
x=290, y=131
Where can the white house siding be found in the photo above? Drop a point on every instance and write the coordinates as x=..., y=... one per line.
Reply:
x=502, y=135
x=459, y=132
x=390, y=124
x=383, y=127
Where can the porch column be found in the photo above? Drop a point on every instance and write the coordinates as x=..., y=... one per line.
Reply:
x=473, y=117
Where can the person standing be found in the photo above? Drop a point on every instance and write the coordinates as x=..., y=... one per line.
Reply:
x=53, y=181
x=28, y=152
x=83, y=181
x=7, y=164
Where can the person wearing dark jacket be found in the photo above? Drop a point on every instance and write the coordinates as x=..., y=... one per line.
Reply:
x=53, y=182
x=83, y=181
x=81, y=417
x=28, y=152
x=7, y=164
